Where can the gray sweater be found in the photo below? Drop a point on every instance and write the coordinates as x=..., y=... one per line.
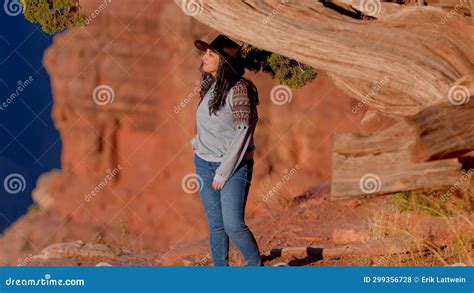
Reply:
x=228, y=136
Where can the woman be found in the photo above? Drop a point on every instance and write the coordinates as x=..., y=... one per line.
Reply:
x=226, y=119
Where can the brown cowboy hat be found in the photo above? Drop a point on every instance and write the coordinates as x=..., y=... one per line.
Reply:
x=226, y=48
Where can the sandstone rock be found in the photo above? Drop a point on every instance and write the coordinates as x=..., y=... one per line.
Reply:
x=75, y=249
x=123, y=160
x=281, y=264
x=345, y=236
x=458, y=264
x=442, y=60
x=103, y=264
x=43, y=192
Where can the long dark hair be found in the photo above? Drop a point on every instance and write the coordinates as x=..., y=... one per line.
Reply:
x=229, y=72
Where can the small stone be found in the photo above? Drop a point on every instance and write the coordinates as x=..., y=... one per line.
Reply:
x=458, y=264
x=345, y=236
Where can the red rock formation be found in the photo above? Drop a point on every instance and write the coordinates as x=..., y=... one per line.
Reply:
x=131, y=143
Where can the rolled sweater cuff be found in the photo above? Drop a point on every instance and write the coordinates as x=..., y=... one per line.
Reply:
x=192, y=141
x=220, y=179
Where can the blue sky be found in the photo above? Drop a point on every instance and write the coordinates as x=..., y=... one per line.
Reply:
x=29, y=142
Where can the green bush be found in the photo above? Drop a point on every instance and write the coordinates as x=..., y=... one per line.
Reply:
x=287, y=71
x=54, y=16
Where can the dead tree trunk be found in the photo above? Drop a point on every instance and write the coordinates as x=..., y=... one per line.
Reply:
x=412, y=155
x=420, y=51
x=411, y=62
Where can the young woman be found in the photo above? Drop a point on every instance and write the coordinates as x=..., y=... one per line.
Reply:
x=226, y=119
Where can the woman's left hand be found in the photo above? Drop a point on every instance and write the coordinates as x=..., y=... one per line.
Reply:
x=216, y=185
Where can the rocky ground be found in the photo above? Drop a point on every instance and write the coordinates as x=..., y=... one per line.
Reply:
x=307, y=230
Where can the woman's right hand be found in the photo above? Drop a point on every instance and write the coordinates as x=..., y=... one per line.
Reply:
x=192, y=143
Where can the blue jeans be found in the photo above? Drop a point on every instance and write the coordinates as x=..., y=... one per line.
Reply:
x=225, y=210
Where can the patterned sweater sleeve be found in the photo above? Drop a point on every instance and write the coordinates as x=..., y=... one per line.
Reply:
x=244, y=124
